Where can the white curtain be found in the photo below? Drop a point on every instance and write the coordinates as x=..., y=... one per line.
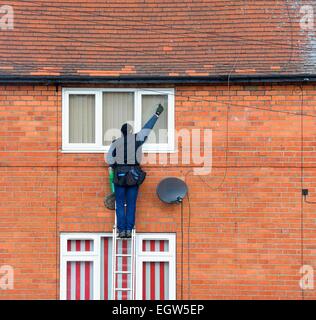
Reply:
x=81, y=118
x=118, y=108
x=149, y=106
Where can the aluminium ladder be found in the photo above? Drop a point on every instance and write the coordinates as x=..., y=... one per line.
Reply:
x=129, y=254
x=130, y=265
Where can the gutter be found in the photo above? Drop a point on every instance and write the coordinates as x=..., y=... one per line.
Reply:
x=179, y=80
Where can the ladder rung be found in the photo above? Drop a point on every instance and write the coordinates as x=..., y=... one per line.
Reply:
x=123, y=289
x=129, y=264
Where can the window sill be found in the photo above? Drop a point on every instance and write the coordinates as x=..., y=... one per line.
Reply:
x=105, y=151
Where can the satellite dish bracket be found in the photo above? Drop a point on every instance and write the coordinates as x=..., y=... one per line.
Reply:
x=172, y=190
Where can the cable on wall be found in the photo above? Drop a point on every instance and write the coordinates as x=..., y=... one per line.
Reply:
x=219, y=185
x=182, y=249
x=302, y=183
x=227, y=131
x=189, y=246
x=226, y=155
x=57, y=189
x=192, y=99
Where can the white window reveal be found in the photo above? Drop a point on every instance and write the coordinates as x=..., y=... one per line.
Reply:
x=155, y=264
x=86, y=267
x=80, y=263
x=92, y=118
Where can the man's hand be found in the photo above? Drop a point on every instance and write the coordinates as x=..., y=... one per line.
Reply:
x=159, y=110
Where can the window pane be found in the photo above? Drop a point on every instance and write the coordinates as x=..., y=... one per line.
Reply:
x=149, y=106
x=81, y=118
x=118, y=108
x=79, y=280
x=79, y=245
x=155, y=246
x=155, y=281
x=106, y=268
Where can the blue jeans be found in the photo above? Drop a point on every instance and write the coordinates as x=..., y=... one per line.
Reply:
x=126, y=195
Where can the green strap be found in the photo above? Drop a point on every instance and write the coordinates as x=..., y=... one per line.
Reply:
x=111, y=178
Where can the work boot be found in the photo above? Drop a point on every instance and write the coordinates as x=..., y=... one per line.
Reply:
x=128, y=234
x=122, y=234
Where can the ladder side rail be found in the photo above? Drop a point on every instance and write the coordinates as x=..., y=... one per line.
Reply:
x=114, y=245
x=133, y=262
x=132, y=269
x=115, y=254
x=114, y=240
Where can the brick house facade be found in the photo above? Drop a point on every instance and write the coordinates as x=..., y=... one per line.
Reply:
x=246, y=229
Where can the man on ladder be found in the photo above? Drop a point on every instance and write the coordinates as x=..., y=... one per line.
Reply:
x=124, y=157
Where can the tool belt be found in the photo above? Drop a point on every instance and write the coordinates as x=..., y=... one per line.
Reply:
x=128, y=175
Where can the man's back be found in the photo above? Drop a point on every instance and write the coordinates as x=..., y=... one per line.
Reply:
x=127, y=149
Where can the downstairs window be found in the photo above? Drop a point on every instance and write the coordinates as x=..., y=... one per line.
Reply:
x=86, y=267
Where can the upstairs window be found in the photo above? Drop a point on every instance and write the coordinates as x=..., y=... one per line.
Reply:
x=92, y=118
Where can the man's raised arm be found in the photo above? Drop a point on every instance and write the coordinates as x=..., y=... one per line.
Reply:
x=143, y=134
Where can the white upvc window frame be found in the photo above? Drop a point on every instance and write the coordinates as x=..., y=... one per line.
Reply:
x=157, y=256
x=78, y=256
x=97, y=147
x=94, y=256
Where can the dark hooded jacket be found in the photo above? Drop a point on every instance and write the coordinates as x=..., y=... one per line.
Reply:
x=127, y=150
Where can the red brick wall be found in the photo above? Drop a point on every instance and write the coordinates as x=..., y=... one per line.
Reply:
x=245, y=230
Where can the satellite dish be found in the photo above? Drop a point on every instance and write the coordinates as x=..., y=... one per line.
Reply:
x=172, y=190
